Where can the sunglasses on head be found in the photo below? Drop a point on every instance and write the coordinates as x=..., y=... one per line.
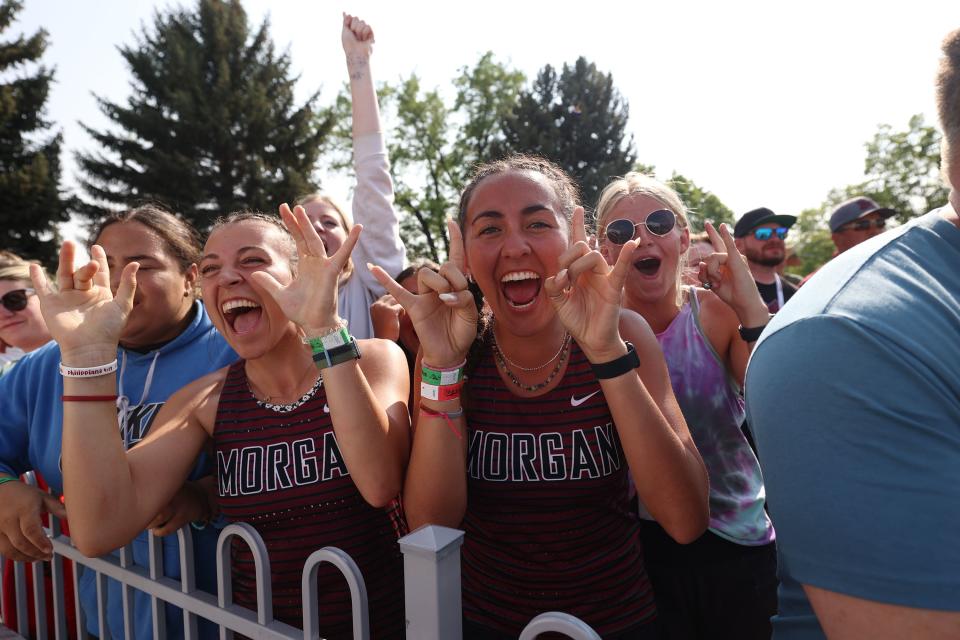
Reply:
x=863, y=225
x=659, y=223
x=16, y=300
x=766, y=233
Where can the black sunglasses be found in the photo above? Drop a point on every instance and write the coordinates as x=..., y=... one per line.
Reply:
x=659, y=223
x=863, y=225
x=766, y=233
x=16, y=300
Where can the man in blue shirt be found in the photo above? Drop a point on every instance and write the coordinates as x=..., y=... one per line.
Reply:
x=862, y=460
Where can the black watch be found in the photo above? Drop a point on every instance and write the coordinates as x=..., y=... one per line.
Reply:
x=627, y=362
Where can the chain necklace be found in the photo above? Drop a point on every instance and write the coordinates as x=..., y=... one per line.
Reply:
x=563, y=346
x=540, y=385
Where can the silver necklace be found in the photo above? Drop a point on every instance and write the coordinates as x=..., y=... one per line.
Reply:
x=540, y=385
x=563, y=346
x=287, y=408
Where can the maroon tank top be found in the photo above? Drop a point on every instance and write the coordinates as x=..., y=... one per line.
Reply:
x=548, y=522
x=283, y=473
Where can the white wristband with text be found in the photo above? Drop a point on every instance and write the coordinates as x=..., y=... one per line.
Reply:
x=88, y=372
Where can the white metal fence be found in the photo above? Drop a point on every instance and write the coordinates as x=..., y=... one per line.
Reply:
x=431, y=563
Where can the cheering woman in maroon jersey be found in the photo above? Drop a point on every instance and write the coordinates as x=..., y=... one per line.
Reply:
x=564, y=391
x=307, y=457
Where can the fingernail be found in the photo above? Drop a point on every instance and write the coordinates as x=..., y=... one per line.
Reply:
x=562, y=274
x=370, y=266
x=448, y=297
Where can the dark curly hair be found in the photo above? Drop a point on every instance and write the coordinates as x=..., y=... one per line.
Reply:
x=948, y=95
x=568, y=195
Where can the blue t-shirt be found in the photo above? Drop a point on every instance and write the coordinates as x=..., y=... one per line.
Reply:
x=31, y=419
x=862, y=457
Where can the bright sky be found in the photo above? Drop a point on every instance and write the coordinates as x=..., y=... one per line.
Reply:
x=764, y=103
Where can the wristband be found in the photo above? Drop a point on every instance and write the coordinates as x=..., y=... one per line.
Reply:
x=88, y=398
x=339, y=355
x=448, y=417
x=329, y=338
x=440, y=392
x=7, y=479
x=441, y=384
x=441, y=377
x=751, y=334
x=619, y=366
x=88, y=372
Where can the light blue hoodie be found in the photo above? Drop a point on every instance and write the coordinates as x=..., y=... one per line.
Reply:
x=31, y=418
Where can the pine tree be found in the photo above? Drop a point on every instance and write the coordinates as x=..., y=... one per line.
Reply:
x=576, y=118
x=211, y=126
x=31, y=202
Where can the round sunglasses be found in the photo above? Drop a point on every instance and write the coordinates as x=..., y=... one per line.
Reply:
x=766, y=233
x=16, y=300
x=659, y=223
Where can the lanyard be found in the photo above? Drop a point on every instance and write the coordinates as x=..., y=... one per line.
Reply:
x=776, y=278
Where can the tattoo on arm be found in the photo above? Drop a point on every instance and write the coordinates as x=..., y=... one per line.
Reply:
x=357, y=65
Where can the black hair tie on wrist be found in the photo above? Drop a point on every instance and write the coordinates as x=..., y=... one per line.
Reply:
x=619, y=366
x=751, y=334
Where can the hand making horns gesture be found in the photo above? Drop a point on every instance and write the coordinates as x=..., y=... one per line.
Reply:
x=444, y=314
x=85, y=315
x=725, y=272
x=586, y=293
x=310, y=299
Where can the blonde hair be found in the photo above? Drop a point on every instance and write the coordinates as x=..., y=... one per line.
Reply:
x=346, y=221
x=20, y=272
x=640, y=184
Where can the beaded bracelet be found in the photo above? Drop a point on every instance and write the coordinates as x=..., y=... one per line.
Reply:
x=88, y=372
x=448, y=417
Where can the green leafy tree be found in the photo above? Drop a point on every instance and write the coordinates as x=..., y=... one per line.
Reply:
x=30, y=196
x=576, y=118
x=211, y=125
x=903, y=170
x=813, y=244
x=702, y=205
x=434, y=144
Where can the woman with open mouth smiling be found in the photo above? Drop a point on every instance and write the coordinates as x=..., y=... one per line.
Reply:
x=724, y=584
x=307, y=457
x=563, y=390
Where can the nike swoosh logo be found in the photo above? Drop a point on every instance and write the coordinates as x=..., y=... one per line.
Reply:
x=326, y=408
x=576, y=402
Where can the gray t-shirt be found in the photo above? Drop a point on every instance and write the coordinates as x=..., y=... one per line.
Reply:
x=861, y=458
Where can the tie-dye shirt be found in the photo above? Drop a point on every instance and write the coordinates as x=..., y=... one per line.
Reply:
x=713, y=408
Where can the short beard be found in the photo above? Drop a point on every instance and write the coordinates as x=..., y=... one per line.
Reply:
x=768, y=262
x=759, y=257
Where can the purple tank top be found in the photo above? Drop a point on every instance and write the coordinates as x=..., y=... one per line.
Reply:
x=712, y=405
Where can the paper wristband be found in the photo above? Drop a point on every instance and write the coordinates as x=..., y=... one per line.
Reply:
x=439, y=392
x=450, y=376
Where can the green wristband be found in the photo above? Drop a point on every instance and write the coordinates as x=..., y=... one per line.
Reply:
x=7, y=479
